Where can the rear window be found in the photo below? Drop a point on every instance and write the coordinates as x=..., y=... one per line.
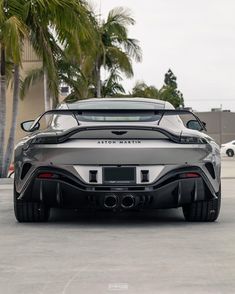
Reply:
x=115, y=113
x=120, y=104
x=118, y=117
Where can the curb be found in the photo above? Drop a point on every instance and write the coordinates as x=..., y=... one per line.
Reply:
x=6, y=181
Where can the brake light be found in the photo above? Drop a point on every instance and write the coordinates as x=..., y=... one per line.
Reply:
x=192, y=140
x=190, y=175
x=46, y=176
x=44, y=140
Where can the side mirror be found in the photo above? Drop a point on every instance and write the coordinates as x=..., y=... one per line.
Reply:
x=27, y=126
x=194, y=125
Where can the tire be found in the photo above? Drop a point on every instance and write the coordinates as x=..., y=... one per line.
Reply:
x=30, y=211
x=230, y=153
x=203, y=211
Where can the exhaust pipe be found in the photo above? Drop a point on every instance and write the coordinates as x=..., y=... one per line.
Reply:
x=110, y=201
x=128, y=201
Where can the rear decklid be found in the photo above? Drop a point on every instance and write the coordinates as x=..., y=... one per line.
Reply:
x=114, y=145
x=119, y=136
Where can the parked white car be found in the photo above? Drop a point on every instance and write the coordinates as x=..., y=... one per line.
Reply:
x=228, y=149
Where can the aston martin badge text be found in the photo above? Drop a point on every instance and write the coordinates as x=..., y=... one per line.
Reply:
x=121, y=142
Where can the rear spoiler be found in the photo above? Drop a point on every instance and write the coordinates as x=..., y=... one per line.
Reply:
x=66, y=135
x=161, y=112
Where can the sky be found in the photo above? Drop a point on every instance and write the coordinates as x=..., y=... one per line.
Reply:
x=195, y=38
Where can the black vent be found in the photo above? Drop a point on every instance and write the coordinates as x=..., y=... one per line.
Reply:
x=25, y=169
x=144, y=176
x=210, y=169
x=93, y=176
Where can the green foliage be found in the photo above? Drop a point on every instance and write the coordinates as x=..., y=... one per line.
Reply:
x=51, y=26
x=85, y=47
x=168, y=92
x=32, y=76
x=55, y=26
x=12, y=30
x=143, y=90
x=112, y=87
x=114, y=36
x=70, y=73
x=170, y=79
x=114, y=52
x=115, y=49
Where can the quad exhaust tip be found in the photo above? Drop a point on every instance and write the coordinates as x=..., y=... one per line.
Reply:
x=110, y=201
x=128, y=201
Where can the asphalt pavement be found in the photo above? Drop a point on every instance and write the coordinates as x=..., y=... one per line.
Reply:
x=125, y=253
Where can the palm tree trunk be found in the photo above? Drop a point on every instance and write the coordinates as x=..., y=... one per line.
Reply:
x=98, y=80
x=47, y=100
x=15, y=107
x=2, y=108
x=55, y=102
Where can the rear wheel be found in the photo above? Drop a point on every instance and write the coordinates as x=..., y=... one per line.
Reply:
x=30, y=211
x=203, y=211
x=230, y=153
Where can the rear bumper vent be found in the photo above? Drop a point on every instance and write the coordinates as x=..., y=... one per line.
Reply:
x=210, y=168
x=144, y=176
x=93, y=176
x=25, y=170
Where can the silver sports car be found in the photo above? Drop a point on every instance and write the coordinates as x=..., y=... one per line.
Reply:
x=117, y=154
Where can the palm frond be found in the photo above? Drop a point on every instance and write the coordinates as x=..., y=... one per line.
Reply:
x=120, y=15
x=132, y=47
x=115, y=49
x=31, y=78
x=116, y=57
x=14, y=30
x=111, y=86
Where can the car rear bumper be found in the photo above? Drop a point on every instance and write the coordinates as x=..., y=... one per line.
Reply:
x=174, y=189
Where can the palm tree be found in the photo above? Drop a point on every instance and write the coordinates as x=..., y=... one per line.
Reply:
x=73, y=72
x=115, y=49
x=51, y=27
x=12, y=31
x=15, y=105
x=79, y=66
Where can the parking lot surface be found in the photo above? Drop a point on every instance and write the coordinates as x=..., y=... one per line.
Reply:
x=125, y=253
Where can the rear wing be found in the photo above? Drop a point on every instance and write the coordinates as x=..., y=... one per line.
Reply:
x=160, y=112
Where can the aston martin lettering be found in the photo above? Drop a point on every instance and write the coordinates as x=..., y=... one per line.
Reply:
x=121, y=142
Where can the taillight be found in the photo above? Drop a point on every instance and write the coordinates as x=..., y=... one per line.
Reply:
x=47, y=176
x=45, y=140
x=192, y=140
x=189, y=175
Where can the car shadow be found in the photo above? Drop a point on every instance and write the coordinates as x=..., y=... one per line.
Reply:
x=118, y=219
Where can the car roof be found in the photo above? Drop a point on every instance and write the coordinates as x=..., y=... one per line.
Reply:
x=157, y=103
